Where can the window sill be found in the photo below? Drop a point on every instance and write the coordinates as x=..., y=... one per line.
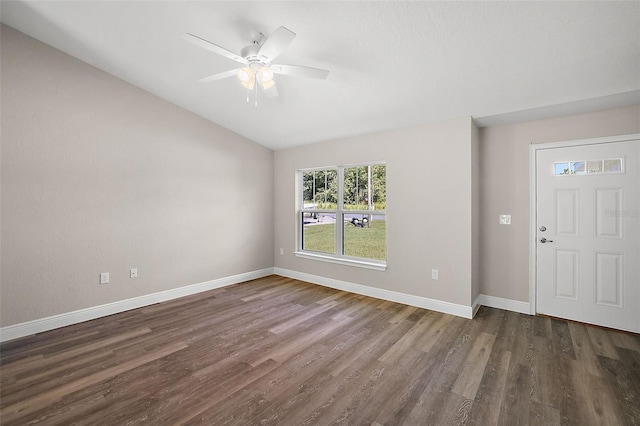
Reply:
x=342, y=261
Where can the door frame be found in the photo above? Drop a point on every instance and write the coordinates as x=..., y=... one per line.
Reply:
x=533, y=200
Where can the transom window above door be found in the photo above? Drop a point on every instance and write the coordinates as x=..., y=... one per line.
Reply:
x=582, y=167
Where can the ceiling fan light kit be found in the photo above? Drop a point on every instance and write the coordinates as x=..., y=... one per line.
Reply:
x=257, y=60
x=265, y=74
x=245, y=74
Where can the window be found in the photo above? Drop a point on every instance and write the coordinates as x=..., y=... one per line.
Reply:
x=342, y=214
x=568, y=168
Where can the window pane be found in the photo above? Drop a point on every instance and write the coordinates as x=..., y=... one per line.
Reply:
x=365, y=187
x=577, y=167
x=320, y=189
x=561, y=168
x=365, y=236
x=319, y=232
x=594, y=166
x=613, y=165
x=379, y=182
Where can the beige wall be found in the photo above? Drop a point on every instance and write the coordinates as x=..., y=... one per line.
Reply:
x=428, y=205
x=99, y=176
x=504, y=157
x=475, y=212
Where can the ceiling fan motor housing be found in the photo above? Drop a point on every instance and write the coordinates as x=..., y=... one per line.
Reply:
x=250, y=53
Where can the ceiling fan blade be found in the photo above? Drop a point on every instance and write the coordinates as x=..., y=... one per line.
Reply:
x=276, y=43
x=220, y=76
x=214, y=48
x=300, y=71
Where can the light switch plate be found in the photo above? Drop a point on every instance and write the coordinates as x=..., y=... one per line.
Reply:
x=505, y=219
x=134, y=273
x=104, y=278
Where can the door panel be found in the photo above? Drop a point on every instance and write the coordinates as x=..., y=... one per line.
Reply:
x=607, y=224
x=566, y=279
x=609, y=279
x=567, y=218
x=588, y=213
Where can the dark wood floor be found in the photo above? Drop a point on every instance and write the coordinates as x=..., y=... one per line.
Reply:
x=280, y=351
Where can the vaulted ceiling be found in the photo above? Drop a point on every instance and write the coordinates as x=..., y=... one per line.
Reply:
x=392, y=64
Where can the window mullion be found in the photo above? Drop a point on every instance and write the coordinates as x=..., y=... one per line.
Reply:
x=299, y=233
x=339, y=214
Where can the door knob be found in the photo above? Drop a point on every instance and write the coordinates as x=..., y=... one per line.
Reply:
x=544, y=240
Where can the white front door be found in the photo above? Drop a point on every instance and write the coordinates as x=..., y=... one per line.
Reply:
x=588, y=233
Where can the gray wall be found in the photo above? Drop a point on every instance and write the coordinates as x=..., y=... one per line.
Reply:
x=429, y=207
x=504, y=189
x=99, y=176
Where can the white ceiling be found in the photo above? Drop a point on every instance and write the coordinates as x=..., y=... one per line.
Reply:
x=393, y=64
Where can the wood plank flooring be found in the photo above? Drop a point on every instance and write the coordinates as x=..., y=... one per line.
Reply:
x=280, y=351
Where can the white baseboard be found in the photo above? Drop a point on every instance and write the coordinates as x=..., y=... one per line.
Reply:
x=476, y=306
x=393, y=296
x=44, y=324
x=506, y=304
x=62, y=320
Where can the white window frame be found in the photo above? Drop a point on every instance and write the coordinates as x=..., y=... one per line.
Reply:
x=337, y=257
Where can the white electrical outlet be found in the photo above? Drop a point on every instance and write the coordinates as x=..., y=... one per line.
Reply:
x=134, y=273
x=281, y=251
x=505, y=219
x=104, y=278
x=434, y=274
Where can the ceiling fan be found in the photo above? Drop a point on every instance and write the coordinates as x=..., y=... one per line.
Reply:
x=257, y=61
